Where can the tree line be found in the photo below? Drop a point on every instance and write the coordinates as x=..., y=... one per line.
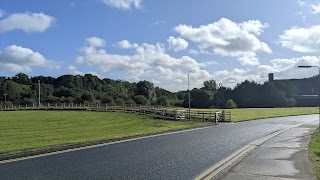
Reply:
x=21, y=89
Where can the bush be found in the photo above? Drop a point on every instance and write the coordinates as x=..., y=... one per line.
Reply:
x=119, y=101
x=130, y=101
x=139, y=99
x=107, y=100
x=163, y=101
x=230, y=104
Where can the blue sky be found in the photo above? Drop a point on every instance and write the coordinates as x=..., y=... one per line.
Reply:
x=161, y=41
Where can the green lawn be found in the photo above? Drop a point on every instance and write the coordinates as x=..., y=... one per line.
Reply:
x=314, y=152
x=23, y=130
x=258, y=113
x=244, y=114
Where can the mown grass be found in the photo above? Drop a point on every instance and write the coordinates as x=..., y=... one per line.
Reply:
x=245, y=114
x=25, y=130
x=314, y=152
x=259, y=113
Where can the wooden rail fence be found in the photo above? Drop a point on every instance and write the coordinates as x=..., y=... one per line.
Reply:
x=155, y=111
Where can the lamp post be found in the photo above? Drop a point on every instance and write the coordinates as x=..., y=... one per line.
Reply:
x=189, y=95
x=5, y=101
x=39, y=93
x=318, y=87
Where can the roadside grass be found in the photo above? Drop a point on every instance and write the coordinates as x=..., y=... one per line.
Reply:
x=260, y=113
x=26, y=130
x=245, y=114
x=314, y=153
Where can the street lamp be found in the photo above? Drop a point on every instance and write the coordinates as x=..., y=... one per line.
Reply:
x=189, y=95
x=39, y=92
x=5, y=101
x=318, y=87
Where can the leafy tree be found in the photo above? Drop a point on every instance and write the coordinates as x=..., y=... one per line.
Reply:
x=119, y=101
x=198, y=99
x=246, y=94
x=22, y=78
x=209, y=85
x=230, y=104
x=163, y=101
x=87, y=96
x=139, y=99
x=107, y=100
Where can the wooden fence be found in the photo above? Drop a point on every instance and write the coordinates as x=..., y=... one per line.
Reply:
x=154, y=111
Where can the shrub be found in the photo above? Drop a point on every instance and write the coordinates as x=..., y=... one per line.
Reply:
x=139, y=99
x=230, y=104
x=107, y=100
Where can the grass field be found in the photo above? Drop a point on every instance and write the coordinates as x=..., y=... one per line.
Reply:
x=314, y=153
x=258, y=113
x=23, y=130
x=246, y=114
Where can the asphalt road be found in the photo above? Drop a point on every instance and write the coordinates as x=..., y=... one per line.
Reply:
x=182, y=155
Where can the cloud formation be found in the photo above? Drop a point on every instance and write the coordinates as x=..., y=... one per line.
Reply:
x=315, y=8
x=305, y=40
x=123, y=4
x=227, y=38
x=282, y=68
x=27, y=22
x=177, y=44
x=18, y=59
x=148, y=61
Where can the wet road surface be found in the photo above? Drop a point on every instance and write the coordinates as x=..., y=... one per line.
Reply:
x=183, y=155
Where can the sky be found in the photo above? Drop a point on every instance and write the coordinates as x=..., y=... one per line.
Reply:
x=162, y=41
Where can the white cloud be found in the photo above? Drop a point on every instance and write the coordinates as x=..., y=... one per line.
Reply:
x=74, y=70
x=1, y=13
x=96, y=41
x=177, y=44
x=306, y=40
x=315, y=8
x=227, y=38
x=123, y=4
x=18, y=59
x=27, y=22
x=125, y=44
x=149, y=61
x=302, y=3
x=282, y=68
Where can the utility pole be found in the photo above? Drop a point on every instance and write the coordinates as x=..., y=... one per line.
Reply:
x=5, y=101
x=189, y=95
x=39, y=93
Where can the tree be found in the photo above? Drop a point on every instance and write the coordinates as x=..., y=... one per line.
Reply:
x=21, y=78
x=87, y=96
x=163, y=101
x=198, y=99
x=246, y=94
x=119, y=101
x=230, y=104
x=139, y=99
x=146, y=89
x=107, y=100
x=209, y=85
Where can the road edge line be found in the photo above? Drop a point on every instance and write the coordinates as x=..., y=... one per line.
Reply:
x=228, y=162
x=101, y=144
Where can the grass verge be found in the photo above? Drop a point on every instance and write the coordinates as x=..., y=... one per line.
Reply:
x=26, y=130
x=314, y=152
x=245, y=114
x=260, y=113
